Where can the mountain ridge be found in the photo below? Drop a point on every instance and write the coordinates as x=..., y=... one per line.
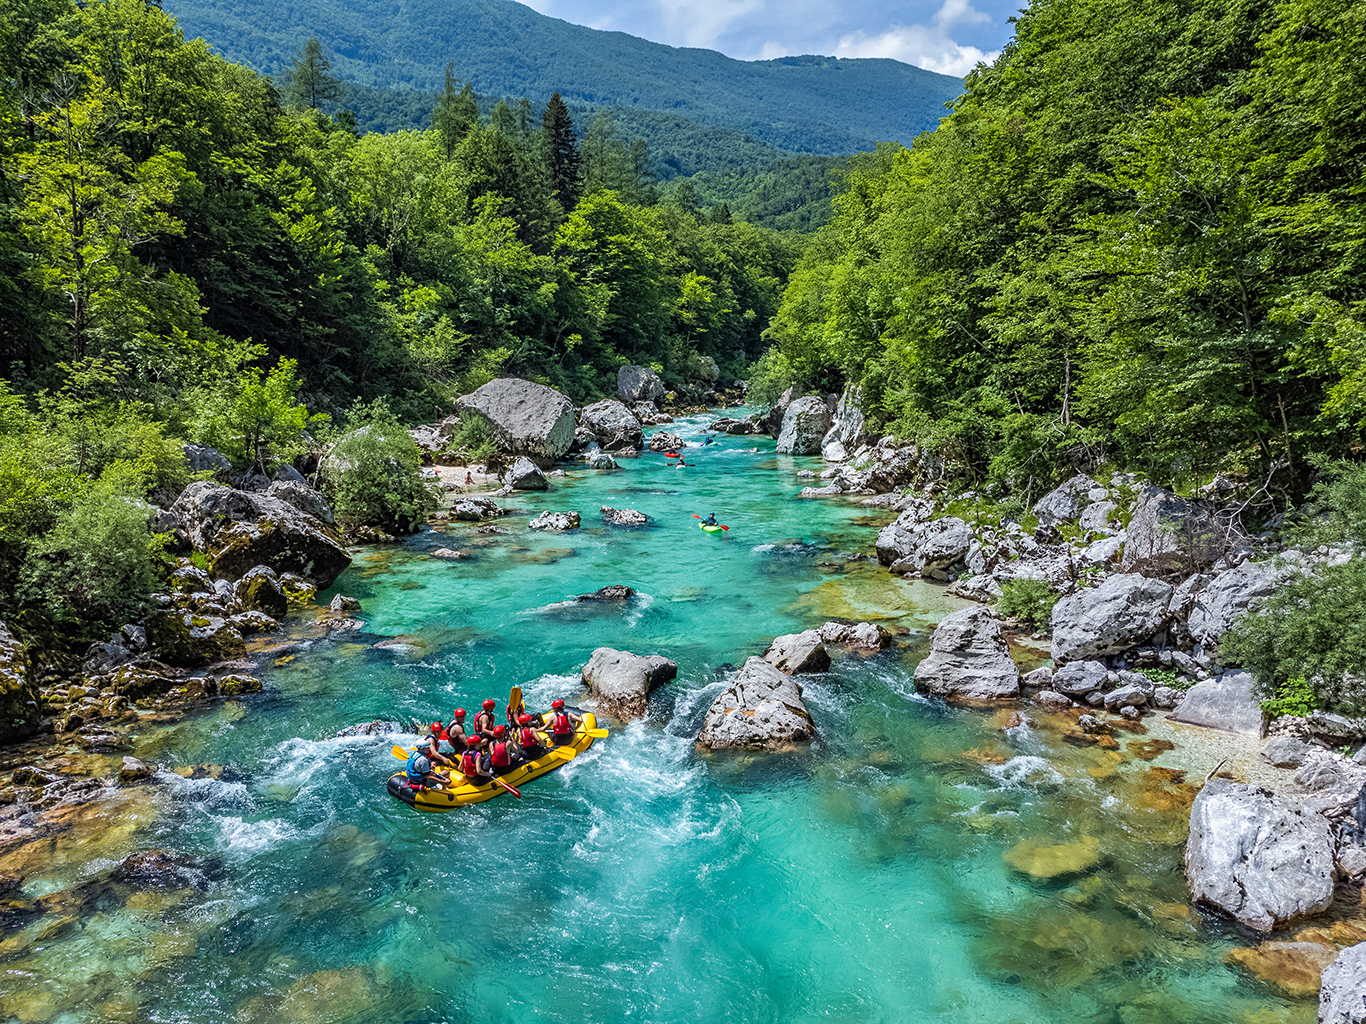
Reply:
x=808, y=103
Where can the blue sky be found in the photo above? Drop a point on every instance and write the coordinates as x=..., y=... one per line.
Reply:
x=948, y=36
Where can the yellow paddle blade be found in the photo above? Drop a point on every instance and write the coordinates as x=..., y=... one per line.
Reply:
x=400, y=753
x=597, y=734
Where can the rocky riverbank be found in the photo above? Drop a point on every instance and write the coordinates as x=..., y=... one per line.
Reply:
x=1143, y=583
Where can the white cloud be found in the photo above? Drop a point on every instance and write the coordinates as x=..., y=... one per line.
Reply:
x=772, y=50
x=924, y=46
x=703, y=22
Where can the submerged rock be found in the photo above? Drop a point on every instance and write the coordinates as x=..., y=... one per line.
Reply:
x=1258, y=857
x=622, y=681
x=761, y=710
x=798, y=653
x=1050, y=863
x=157, y=869
x=379, y=727
x=1293, y=969
x=968, y=659
x=525, y=418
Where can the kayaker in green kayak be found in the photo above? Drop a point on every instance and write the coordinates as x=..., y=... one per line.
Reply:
x=710, y=520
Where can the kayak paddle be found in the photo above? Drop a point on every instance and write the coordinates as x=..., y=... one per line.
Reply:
x=515, y=792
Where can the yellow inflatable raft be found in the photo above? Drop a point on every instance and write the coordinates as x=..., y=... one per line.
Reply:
x=461, y=792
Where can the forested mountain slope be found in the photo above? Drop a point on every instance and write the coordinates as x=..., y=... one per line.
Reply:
x=800, y=104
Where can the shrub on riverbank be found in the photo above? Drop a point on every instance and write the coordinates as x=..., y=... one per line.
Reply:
x=1314, y=627
x=1030, y=601
x=372, y=475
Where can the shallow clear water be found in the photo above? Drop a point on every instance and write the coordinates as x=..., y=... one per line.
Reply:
x=859, y=881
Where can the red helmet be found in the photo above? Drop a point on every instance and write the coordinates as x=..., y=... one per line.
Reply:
x=500, y=730
x=490, y=704
x=436, y=727
x=472, y=741
x=557, y=704
x=523, y=719
x=459, y=713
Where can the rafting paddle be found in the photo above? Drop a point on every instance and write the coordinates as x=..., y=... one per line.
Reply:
x=515, y=792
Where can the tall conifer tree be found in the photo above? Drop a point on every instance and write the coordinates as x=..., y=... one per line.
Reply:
x=310, y=78
x=561, y=150
x=456, y=112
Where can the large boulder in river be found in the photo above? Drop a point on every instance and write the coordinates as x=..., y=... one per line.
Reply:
x=1109, y=618
x=621, y=681
x=612, y=425
x=1262, y=859
x=968, y=659
x=663, y=441
x=1065, y=502
x=761, y=710
x=1342, y=992
x=1226, y=703
x=525, y=418
x=556, y=522
x=805, y=423
x=237, y=530
x=798, y=653
x=525, y=475
x=1168, y=533
x=639, y=384
x=19, y=710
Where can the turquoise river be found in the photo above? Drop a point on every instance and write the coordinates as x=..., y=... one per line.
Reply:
x=861, y=880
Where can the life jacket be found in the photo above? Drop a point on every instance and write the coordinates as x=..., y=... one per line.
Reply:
x=562, y=725
x=469, y=764
x=499, y=755
x=527, y=737
x=455, y=729
x=418, y=766
x=483, y=722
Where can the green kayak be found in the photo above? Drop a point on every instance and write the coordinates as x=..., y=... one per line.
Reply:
x=709, y=529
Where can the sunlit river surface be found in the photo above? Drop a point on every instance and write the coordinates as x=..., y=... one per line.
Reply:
x=861, y=880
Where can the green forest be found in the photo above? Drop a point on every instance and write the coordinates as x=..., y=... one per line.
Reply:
x=191, y=253
x=1137, y=241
